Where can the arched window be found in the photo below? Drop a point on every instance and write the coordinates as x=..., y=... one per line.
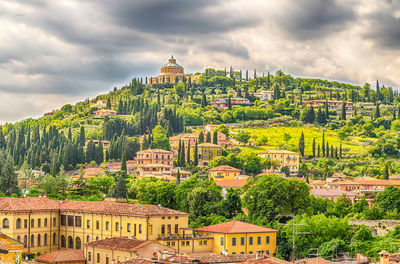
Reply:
x=97, y=238
x=70, y=242
x=38, y=240
x=6, y=223
x=25, y=240
x=77, y=243
x=45, y=240
x=63, y=242
x=18, y=224
x=54, y=238
x=32, y=240
x=18, y=238
x=87, y=239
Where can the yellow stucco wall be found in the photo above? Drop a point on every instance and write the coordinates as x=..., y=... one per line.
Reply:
x=14, y=248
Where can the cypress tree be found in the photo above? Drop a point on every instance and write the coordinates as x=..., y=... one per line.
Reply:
x=182, y=155
x=188, y=153
x=123, y=163
x=208, y=137
x=178, y=178
x=82, y=136
x=301, y=144
x=319, y=151
x=229, y=102
x=179, y=153
x=323, y=144
x=121, y=190
x=336, y=153
x=343, y=115
x=195, y=155
x=215, y=137
x=108, y=105
x=386, y=172
x=340, y=150
x=313, y=148
x=332, y=153
x=201, y=137
x=377, y=112
x=327, y=109
x=327, y=149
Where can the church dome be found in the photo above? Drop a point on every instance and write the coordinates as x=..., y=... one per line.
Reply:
x=171, y=67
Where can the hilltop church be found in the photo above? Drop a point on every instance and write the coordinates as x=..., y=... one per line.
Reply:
x=171, y=72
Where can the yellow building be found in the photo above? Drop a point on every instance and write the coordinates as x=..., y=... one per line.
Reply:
x=223, y=172
x=10, y=249
x=171, y=72
x=284, y=158
x=206, y=152
x=237, y=237
x=44, y=225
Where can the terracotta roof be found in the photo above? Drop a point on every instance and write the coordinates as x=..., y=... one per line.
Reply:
x=235, y=227
x=68, y=255
x=3, y=248
x=368, y=182
x=231, y=182
x=267, y=260
x=154, y=150
x=224, y=168
x=41, y=203
x=120, y=243
x=318, y=260
x=139, y=261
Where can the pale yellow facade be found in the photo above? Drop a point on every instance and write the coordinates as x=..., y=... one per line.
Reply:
x=284, y=158
x=13, y=248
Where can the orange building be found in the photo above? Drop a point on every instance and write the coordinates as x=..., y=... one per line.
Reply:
x=171, y=72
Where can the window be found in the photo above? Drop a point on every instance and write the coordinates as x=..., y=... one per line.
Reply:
x=117, y=226
x=107, y=259
x=183, y=243
x=163, y=217
x=63, y=242
x=200, y=242
x=54, y=238
x=169, y=229
x=233, y=241
x=18, y=224
x=119, y=258
x=267, y=251
x=45, y=240
x=173, y=243
x=54, y=221
x=70, y=242
x=169, y=217
x=205, y=242
x=39, y=222
x=18, y=238
x=162, y=229
x=97, y=238
x=176, y=228
x=140, y=228
x=107, y=225
x=77, y=243
x=87, y=239
x=187, y=243
x=45, y=222
x=176, y=217
x=88, y=224
x=70, y=220
x=32, y=240
x=98, y=258
x=242, y=241
x=267, y=240
x=32, y=223
x=25, y=240
x=242, y=252
x=78, y=221
x=250, y=252
x=63, y=220
x=128, y=227
x=233, y=253
x=168, y=244
x=90, y=256
x=251, y=240
x=97, y=224
x=25, y=223
x=221, y=241
x=258, y=240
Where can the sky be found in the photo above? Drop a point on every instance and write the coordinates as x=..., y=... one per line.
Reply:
x=58, y=52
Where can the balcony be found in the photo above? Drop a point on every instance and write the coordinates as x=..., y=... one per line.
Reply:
x=173, y=236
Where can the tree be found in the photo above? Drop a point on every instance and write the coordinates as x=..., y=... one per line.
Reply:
x=215, y=137
x=229, y=102
x=8, y=177
x=208, y=137
x=160, y=139
x=108, y=105
x=377, y=112
x=156, y=191
x=323, y=144
x=251, y=162
x=321, y=117
x=242, y=137
x=196, y=155
x=178, y=178
x=343, y=112
x=81, y=138
x=232, y=204
x=201, y=137
x=302, y=144
x=121, y=190
x=286, y=137
x=389, y=199
x=123, y=164
x=313, y=147
x=280, y=196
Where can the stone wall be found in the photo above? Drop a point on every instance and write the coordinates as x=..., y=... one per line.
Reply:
x=378, y=227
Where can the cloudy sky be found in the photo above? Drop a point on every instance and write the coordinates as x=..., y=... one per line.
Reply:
x=57, y=52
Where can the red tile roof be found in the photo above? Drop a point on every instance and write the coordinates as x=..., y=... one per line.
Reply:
x=224, y=168
x=41, y=203
x=120, y=243
x=231, y=183
x=235, y=227
x=312, y=261
x=68, y=255
x=267, y=260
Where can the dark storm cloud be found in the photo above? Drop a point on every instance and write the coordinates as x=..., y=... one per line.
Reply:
x=384, y=25
x=181, y=17
x=313, y=19
x=227, y=46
